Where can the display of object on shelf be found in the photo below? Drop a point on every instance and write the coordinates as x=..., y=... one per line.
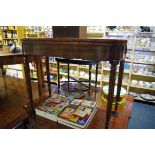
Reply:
x=143, y=42
x=145, y=59
x=14, y=73
x=147, y=97
x=143, y=69
x=133, y=94
x=111, y=27
x=15, y=48
x=142, y=84
x=145, y=29
x=104, y=96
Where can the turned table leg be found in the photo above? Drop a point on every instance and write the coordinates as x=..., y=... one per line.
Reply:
x=96, y=75
x=58, y=75
x=39, y=74
x=119, y=85
x=68, y=77
x=28, y=84
x=111, y=91
x=48, y=75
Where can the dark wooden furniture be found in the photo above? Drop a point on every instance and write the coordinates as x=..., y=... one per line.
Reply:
x=17, y=58
x=110, y=50
x=11, y=108
x=79, y=62
x=69, y=31
x=10, y=59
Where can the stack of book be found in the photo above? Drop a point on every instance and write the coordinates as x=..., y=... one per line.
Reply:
x=71, y=112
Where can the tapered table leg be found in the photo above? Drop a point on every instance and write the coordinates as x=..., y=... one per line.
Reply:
x=48, y=75
x=42, y=73
x=68, y=76
x=111, y=91
x=90, y=68
x=28, y=84
x=39, y=74
x=58, y=75
x=119, y=85
x=96, y=75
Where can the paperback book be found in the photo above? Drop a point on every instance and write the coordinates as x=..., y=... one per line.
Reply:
x=71, y=112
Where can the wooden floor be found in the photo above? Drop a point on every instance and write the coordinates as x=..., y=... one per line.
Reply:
x=13, y=97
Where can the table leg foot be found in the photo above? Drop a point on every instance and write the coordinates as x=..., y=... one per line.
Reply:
x=115, y=113
x=107, y=125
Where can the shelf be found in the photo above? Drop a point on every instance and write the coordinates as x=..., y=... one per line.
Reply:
x=10, y=30
x=13, y=69
x=144, y=49
x=33, y=69
x=83, y=67
x=10, y=38
x=7, y=45
x=88, y=79
x=145, y=32
x=128, y=61
x=53, y=72
x=54, y=62
x=143, y=75
x=138, y=98
x=125, y=37
x=120, y=31
x=53, y=81
x=31, y=33
x=143, y=63
x=144, y=88
x=65, y=74
x=125, y=72
x=124, y=84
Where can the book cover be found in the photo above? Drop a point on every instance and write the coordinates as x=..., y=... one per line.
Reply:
x=89, y=104
x=82, y=111
x=73, y=118
x=80, y=124
x=68, y=111
x=76, y=102
x=83, y=121
x=59, y=108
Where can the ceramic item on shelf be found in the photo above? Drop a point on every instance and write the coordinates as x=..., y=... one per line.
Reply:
x=122, y=93
x=140, y=71
x=149, y=73
x=134, y=82
x=147, y=97
x=133, y=94
x=121, y=101
x=111, y=27
x=145, y=28
x=148, y=84
x=147, y=59
x=143, y=41
x=152, y=59
x=141, y=84
x=153, y=84
x=15, y=48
